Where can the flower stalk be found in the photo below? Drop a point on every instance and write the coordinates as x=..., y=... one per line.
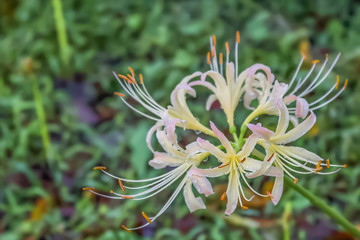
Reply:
x=331, y=211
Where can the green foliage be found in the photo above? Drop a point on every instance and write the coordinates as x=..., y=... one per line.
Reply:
x=87, y=125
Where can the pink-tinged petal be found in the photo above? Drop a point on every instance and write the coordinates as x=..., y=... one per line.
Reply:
x=260, y=131
x=194, y=148
x=192, y=202
x=301, y=154
x=224, y=141
x=302, y=108
x=203, y=77
x=212, y=172
x=252, y=165
x=283, y=122
x=289, y=99
x=232, y=193
x=170, y=148
x=211, y=99
x=248, y=146
x=162, y=160
x=213, y=150
x=277, y=190
x=296, y=132
x=279, y=89
x=170, y=126
x=202, y=184
x=294, y=120
x=265, y=165
x=256, y=67
x=151, y=133
x=248, y=97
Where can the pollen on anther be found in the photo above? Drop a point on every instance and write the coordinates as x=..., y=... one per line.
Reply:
x=121, y=185
x=237, y=36
x=318, y=169
x=111, y=191
x=125, y=78
x=132, y=71
x=146, y=217
x=244, y=207
x=345, y=165
x=270, y=157
x=128, y=197
x=346, y=83
x=223, y=196
x=88, y=188
x=328, y=163
x=337, y=81
x=227, y=47
x=100, y=168
x=214, y=40
x=208, y=58
x=126, y=228
x=119, y=94
x=315, y=61
x=296, y=180
x=221, y=58
x=141, y=78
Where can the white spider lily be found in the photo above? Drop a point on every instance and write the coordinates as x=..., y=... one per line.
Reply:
x=236, y=165
x=287, y=158
x=178, y=110
x=183, y=161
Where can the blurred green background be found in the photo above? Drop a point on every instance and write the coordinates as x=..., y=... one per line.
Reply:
x=59, y=117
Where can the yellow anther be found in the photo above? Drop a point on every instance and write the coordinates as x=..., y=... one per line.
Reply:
x=146, y=217
x=296, y=181
x=141, y=79
x=223, y=196
x=337, y=81
x=346, y=83
x=244, y=207
x=221, y=58
x=128, y=197
x=88, y=188
x=237, y=36
x=132, y=71
x=315, y=61
x=119, y=94
x=227, y=47
x=328, y=163
x=121, y=185
x=208, y=58
x=100, y=168
x=126, y=228
x=111, y=191
x=214, y=40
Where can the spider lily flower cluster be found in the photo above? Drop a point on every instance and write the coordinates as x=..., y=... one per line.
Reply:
x=253, y=150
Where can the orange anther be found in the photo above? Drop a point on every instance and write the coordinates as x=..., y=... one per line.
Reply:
x=223, y=165
x=99, y=168
x=128, y=197
x=132, y=71
x=141, y=79
x=270, y=157
x=126, y=228
x=244, y=207
x=237, y=36
x=212, y=52
x=223, y=196
x=146, y=217
x=268, y=193
x=88, y=188
x=327, y=56
x=345, y=165
x=227, y=47
x=111, y=191
x=119, y=94
x=221, y=58
x=208, y=58
x=125, y=78
x=214, y=40
x=337, y=81
x=328, y=163
x=318, y=169
x=346, y=83
x=131, y=79
x=121, y=185
x=296, y=181
x=315, y=61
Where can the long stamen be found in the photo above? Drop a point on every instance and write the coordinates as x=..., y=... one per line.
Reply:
x=236, y=53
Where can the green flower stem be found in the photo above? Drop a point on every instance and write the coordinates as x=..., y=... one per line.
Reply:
x=61, y=31
x=331, y=211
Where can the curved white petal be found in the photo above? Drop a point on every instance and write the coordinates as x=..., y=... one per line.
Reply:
x=302, y=108
x=296, y=132
x=168, y=146
x=213, y=172
x=213, y=150
x=232, y=193
x=209, y=102
x=283, y=122
x=260, y=131
x=248, y=146
x=277, y=189
x=264, y=167
x=201, y=183
x=162, y=160
x=151, y=132
x=279, y=89
x=300, y=153
x=224, y=141
x=192, y=202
